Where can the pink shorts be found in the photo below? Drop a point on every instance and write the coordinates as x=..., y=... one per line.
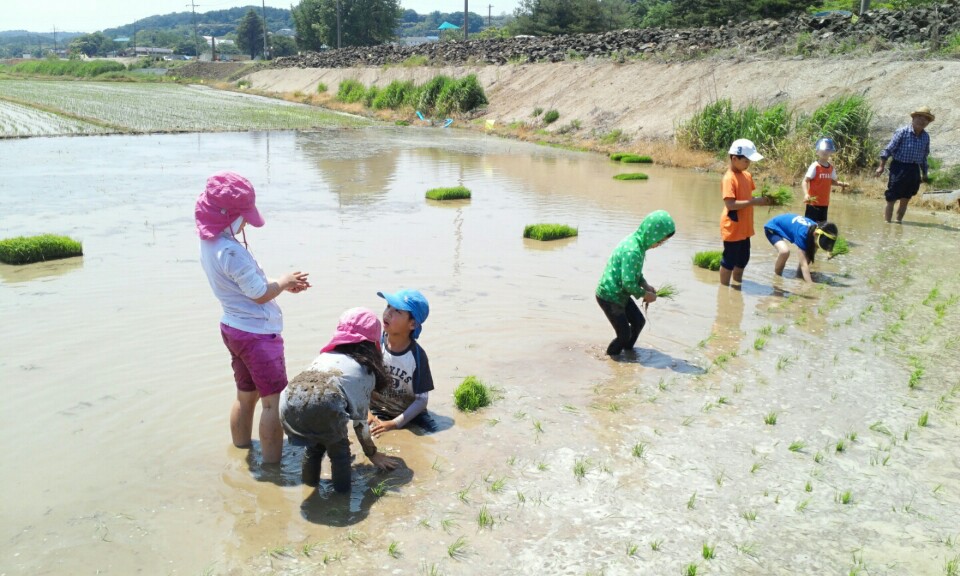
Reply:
x=257, y=360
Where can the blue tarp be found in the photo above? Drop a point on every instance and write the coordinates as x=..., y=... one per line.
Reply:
x=448, y=26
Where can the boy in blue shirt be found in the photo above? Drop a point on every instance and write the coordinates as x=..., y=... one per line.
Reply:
x=405, y=401
x=803, y=232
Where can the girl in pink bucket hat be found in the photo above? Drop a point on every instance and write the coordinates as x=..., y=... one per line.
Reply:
x=318, y=404
x=251, y=321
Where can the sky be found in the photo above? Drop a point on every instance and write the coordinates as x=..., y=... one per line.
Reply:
x=90, y=16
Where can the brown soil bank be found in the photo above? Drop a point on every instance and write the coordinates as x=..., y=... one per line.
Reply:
x=647, y=100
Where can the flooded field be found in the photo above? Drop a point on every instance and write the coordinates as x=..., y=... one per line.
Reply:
x=777, y=429
x=46, y=107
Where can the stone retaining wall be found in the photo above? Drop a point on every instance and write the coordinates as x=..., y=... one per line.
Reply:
x=917, y=25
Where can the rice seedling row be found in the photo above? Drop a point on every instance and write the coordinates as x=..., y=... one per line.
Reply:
x=17, y=120
x=170, y=107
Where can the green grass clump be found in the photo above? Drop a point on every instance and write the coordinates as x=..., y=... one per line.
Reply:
x=351, y=91
x=548, y=231
x=395, y=95
x=781, y=196
x=840, y=247
x=631, y=176
x=718, y=124
x=27, y=250
x=452, y=193
x=74, y=68
x=459, y=96
x=709, y=259
x=321, y=88
x=471, y=395
x=551, y=116
x=635, y=159
x=944, y=178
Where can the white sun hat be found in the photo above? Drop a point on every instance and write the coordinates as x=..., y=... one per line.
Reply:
x=744, y=147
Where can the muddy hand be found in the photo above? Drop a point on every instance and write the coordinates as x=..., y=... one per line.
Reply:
x=384, y=462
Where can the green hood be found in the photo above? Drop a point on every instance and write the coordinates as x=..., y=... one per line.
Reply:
x=654, y=228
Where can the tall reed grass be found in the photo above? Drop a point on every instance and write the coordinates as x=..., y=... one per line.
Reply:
x=440, y=95
x=782, y=135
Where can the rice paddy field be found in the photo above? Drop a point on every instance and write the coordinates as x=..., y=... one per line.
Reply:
x=779, y=428
x=46, y=108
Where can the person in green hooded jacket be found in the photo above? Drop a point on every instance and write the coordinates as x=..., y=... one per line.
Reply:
x=623, y=280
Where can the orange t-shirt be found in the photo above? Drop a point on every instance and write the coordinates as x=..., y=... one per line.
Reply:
x=736, y=225
x=820, y=183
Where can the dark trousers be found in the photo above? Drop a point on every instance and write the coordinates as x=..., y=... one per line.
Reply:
x=339, y=453
x=816, y=213
x=626, y=320
x=422, y=420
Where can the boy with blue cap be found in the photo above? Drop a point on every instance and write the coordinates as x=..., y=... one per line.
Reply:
x=405, y=401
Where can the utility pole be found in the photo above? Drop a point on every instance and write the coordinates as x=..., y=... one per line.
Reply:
x=54, y=39
x=135, y=22
x=196, y=36
x=338, y=24
x=489, y=14
x=466, y=21
x=263, y=12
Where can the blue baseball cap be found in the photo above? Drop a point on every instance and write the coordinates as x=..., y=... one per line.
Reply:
x=411, y=301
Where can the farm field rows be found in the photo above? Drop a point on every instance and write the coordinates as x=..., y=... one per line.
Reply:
x=44, y=108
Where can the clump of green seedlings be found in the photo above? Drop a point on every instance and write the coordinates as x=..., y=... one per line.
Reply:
x=770, y=419
x=580, y=468
x=923, y=421
x=797, y=446
x=780, y=196
x=667, y=291
x=472, y=394
x=692, y=501
x=30, y=249
x=708, y=553
x=709, y=259
x=484, y=518
x=690, y=570
x=450, y=193
x=458, y=549
x=546, y=232
x=635, y=159
x=394, y=549
x=759, y=343
x=840, y=247
x=551, y=116
x=639, y=450
x=631, y=176
x=845, y=497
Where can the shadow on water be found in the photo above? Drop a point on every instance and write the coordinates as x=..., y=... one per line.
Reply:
x=651, y=358
x=40, y=270
x=931, y=225
x=327, y=507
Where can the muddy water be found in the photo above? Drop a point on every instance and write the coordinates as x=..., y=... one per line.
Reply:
x=118, y=451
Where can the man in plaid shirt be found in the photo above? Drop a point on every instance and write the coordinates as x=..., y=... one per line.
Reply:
x=909, y=148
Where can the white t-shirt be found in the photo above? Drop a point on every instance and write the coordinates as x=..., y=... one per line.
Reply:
x=236, y=279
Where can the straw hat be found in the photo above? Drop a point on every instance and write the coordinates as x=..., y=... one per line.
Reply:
x=925, y=112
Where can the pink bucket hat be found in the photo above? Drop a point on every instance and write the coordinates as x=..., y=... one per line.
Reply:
x=227, y=196
x=355, y=325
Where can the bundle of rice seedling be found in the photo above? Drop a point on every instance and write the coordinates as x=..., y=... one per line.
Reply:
x=782, y=196
x=548, y=231
x=840, y=247
x=454, y=193
x=635, y=159
x=472, y=394
x=27, y=250
x=709, y=259
x=667, y=291
x=631, y=176
x=616, y=156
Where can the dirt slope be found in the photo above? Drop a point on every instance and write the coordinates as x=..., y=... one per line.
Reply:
x=647, y=99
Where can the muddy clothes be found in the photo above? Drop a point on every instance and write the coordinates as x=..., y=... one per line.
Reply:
x=627, y=322
x=236, y=279
x=790, y=227
x=406, y=397
x=736, y=225
x=316, y=406
x=821, y=181
x=623, y=275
